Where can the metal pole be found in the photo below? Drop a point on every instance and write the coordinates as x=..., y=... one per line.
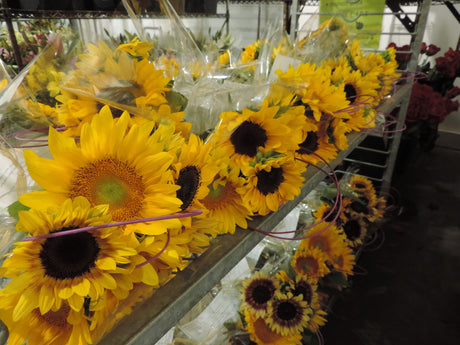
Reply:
x=412, y=67
x=258, y=21
x=294, y=19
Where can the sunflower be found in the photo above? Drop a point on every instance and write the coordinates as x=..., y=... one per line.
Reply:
x=201, y=232
x=272, y=182
x=361, y=119
x=361, y=184
x=359, y=88
x=76, y=109
x=327, y=212
x=287, y=315
x=118, y=77
x=240, y=135
x=355, y=229
x=314, y=88
x=124, y=168
x=317, y=318
x=327, y=240
x=3, y=83
x=251, y=52
x=331, y=29
x=93, y=60
x=224, y=58
x=165, y=257
x=69, y=268
x=337, y=132
x=169, y=65
x=364, y=207
x=344, y=260
x=165, y=115
x=257, y=291
x=390, y=75
x=306, y=288
x=310, y=262
x=316, y=145
x=194, y=170
x=58, y=326
x=383, y=65
x=137, y=48
x=225, y=204
x=380, y=208
x=262, y=334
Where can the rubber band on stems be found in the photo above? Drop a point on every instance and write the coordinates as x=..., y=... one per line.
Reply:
x=320, y=337
x=411, y=76
x=356, y=106
x=19, y=136
x=380, y=245
x=381, y=129
x=338, y=202
x=157, y=255
x=373, y=239
x=361, y=270
x=191, y=213
x=394, y=200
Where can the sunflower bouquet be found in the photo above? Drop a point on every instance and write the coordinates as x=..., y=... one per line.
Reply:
x=288, y=305
x=128, y=190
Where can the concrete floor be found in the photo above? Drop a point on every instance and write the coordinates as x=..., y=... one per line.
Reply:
x=411, y=291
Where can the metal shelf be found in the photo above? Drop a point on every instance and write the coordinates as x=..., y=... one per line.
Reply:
x=159, y=313
x=16, y=14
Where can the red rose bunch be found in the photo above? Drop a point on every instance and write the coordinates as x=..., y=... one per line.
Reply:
x=426, y=104
x=449, y=64
x=402, y=54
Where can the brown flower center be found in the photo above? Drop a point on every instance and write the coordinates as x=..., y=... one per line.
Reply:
x=307, y=264
x=351, y=93
x=269, y=181
x=189, y=181
x=352, y=229
x=55, y=318
x=310, y=144
x=69, y=256
x=247, y=138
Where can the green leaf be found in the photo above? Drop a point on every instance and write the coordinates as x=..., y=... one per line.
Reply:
x=337, y=278
x=176, y=101
x=15, y=207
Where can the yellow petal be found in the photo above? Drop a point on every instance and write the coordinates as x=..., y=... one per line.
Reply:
x=106, y=263
x=42, y=199
x=49, y=174
x=76, y=302
x=107, y=281
x=65, y=292
x=82, y=288
x=26, y=303
x=149, y=275
x=45, y=299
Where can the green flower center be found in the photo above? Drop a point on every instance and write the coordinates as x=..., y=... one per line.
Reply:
x=113, y=182
x=110, y=191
